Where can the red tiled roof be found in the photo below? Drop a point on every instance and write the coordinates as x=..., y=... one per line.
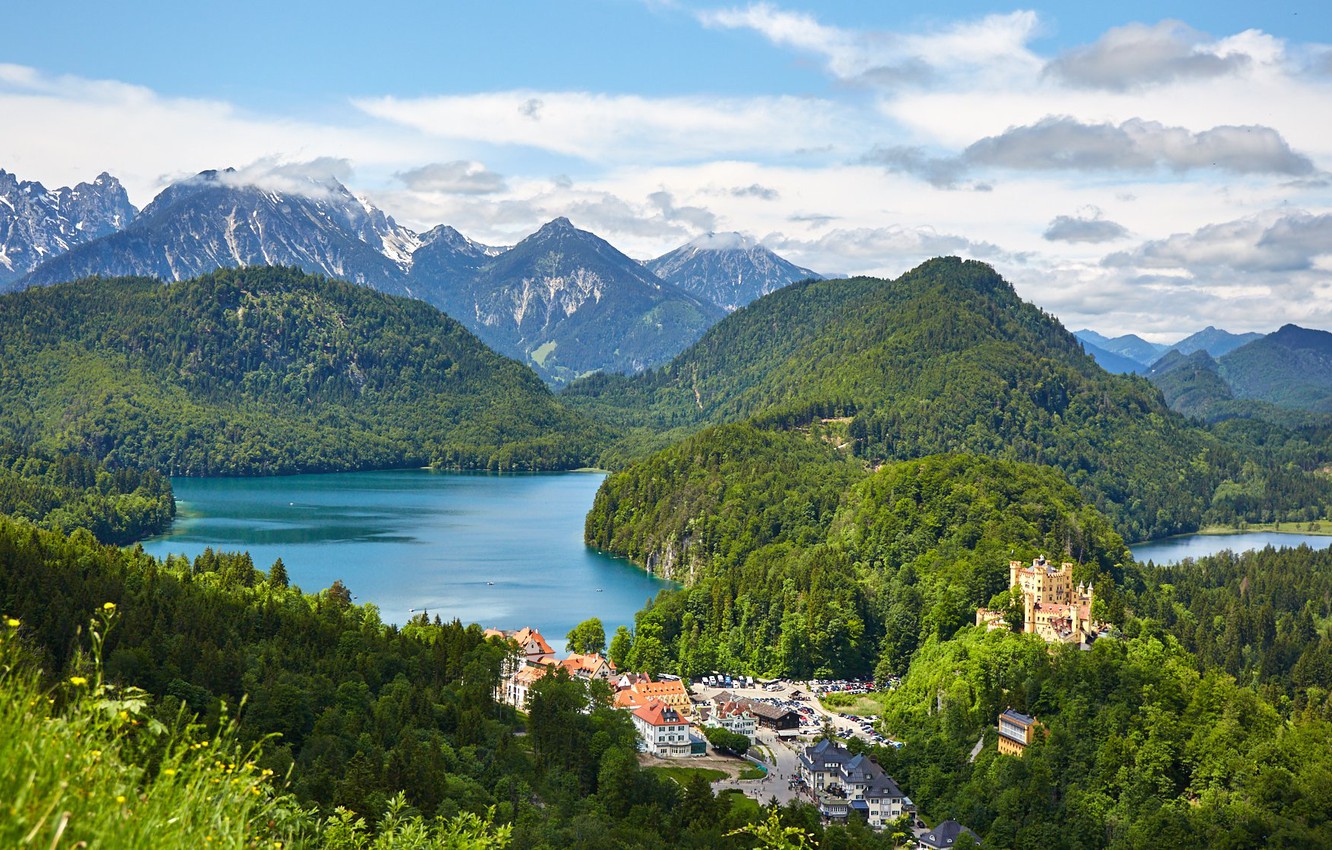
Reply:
x=657, y=713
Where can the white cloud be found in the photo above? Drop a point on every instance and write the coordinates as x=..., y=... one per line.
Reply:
x=460, y=177
x=994, y=42
x=1138, y=55
x=621, y=128
x=63, y=129
x=1285, y=242
x=1091, y=227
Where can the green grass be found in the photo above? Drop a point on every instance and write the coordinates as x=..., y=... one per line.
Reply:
x=82, y=764
x=541, y=352
x=1323, y=527
x=863, y=705
x=753, y=772
x=682, y=775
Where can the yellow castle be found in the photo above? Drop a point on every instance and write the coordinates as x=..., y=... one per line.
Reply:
x=1052, y=606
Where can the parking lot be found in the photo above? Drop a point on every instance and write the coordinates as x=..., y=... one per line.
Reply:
x=795, y=696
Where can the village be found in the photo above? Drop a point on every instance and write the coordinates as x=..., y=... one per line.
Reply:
x=775, y=739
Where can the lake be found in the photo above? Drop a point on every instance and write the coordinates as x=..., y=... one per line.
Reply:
x=1172, y=550
x=499, y=550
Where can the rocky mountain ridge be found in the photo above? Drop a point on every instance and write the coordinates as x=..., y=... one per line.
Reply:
x=37, y=224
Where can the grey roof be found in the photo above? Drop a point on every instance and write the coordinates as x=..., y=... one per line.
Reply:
x=945, y=835
x=856, y=768
x=1024, y=719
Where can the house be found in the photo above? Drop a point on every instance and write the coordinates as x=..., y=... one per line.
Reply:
x=1016, y=731
x=843, y=783
x=664, y=732
x=532, y=658
x=532, y=647
x=945, y=835
x=1052, y=606
x=590, y=666
x=733, y=717
x=515, y=687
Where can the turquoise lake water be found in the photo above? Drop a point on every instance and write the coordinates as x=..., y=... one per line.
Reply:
x=504, y=551
x=1175, y=549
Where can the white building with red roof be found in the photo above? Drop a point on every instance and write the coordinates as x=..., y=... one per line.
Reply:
x=664, y=731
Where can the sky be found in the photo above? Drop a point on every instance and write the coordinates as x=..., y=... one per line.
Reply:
x=1134, y=167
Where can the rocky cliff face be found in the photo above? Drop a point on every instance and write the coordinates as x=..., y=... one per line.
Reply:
x=37, y=224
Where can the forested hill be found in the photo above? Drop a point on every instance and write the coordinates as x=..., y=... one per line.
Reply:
x=268, y=370
x=945, y=358
x=801, y=562
x=66, y=492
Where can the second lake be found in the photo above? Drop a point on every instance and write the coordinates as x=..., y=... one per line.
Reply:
x=499, y=550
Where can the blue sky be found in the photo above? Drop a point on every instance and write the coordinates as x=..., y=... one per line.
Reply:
x=1129, y=166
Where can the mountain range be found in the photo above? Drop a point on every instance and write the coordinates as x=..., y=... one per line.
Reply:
x=1290, y=369
x=1132, y=353
x=263, y=371
x=37, y=224
x=944, y=358
x=564, y=301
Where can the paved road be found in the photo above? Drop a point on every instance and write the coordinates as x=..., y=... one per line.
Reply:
x=780, y=773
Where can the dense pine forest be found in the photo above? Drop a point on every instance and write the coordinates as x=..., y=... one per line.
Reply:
x=67, y=491
x=266, y=371
x=800, y=563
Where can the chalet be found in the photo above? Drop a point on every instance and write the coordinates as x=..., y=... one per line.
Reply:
x=1016, y=731
x=945, y=836
x=590, y=666
x=664, y=732
x=733, y=717
x=773, y=716
x=843, y=783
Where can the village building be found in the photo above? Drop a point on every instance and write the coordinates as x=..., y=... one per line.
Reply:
x=590, y=666
x=671, y=692
x=1052, y=606
x=945, y=836
x=773, y=717
x=731, y=715
x=664, y=732
x=1016, y=731
x=843, y=784
x=534, y=658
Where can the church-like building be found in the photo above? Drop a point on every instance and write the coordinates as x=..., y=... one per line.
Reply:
x=1052, y=606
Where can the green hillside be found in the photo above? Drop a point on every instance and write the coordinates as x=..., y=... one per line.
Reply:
x=267, y=370
x=66, y=492
x=945, y=358
x=801, y=562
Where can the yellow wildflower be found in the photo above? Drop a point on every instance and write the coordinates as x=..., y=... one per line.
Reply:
x=13, y=623
x=78, y=681
x=168, y=771
x=108, y=607
x=120, y=798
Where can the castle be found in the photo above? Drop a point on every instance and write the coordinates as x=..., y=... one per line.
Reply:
x=1052, y=606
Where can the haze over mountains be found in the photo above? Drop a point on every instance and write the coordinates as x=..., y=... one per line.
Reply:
x=1132, y=353
x=563, y=300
